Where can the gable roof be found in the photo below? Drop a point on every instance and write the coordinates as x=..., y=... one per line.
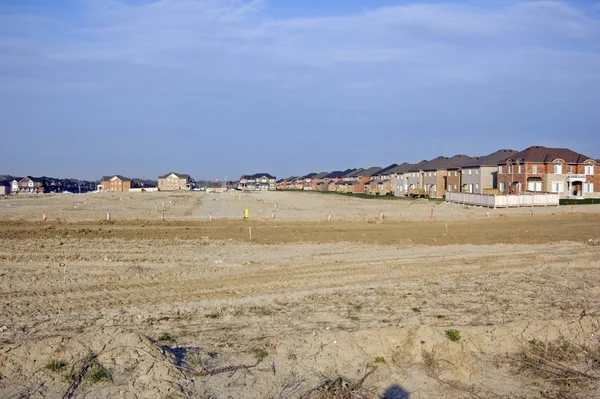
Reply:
x=180, y=175
x=258, y=176
x=384, y=171
x=441, y=162
x=338, y=174
x=492, y=159
x=354, y=172
x=542, y=154
x=367, y=172
x=107, y=178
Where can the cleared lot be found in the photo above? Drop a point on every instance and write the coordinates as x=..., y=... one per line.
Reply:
x=191, y=308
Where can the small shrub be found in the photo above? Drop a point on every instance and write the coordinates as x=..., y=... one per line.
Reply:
x=260, y=354
x=416, y=310
x=354, y=318
x=166, y=337
x=215, y=315
x=56, y=365
x=440, y=316
x=97, y=373
x=380, y=359
x=453, y=335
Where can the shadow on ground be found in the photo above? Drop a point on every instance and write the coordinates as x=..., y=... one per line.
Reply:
x=395, y=392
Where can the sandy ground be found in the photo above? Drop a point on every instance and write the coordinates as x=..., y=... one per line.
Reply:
x=188, y=308
x=288, y=206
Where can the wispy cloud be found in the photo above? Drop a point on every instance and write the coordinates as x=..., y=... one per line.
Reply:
x=217, y=57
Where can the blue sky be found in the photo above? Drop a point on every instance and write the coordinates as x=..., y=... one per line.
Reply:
x=218, y=88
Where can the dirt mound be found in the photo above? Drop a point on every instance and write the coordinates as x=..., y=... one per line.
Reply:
x=111, y=362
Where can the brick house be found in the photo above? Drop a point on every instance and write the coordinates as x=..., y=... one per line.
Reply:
x=362, y=178
x=174, y=181
x=433, y=175
x=32, y=185
x=558, y=170
x=115, y=183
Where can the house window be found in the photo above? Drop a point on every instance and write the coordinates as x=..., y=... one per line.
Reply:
x=476, y=186
x=469, y=172
x=570, y=168
x=558, y=186
x=510, y=170
x=588, y=187
x=476, y=171
x=589, y=169
x=557, y=169
x=500, y=169
x=520, y=168
x=502, y=187
x=533, y=168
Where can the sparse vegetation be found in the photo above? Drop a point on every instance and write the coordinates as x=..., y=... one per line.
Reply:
x=166, y=337
x=56, y=365
x=416, y=310
x=260, y=354
x=561, y=368
x=453, y=335
x=380, y=359
x=97, y=373
x=214, y=315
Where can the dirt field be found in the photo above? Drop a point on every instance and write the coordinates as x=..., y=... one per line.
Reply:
x=281, y=307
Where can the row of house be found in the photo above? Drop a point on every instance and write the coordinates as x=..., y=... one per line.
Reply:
x=40, y=185
x=537, y=169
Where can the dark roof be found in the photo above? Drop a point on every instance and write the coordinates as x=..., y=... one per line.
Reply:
x=441, y=163
x=547, y=155
x=257, y=176
x=309, y=176
x=492, y=159
x=321, y=175
x=405, y=167
x=385, y=171
x=107, y=178
x=354, y=173
x=338, y=173
x=367, y=172
x=181, y=175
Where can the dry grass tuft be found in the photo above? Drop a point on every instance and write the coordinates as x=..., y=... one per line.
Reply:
x=561, y=368
x=340, y=388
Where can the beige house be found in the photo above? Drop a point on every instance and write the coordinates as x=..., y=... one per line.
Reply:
x=174, y=181
x=257, y=182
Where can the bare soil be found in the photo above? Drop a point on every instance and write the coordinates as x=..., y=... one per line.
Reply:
x=190, y=308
